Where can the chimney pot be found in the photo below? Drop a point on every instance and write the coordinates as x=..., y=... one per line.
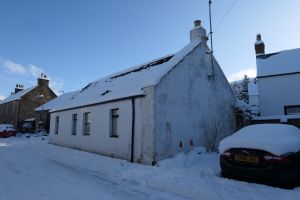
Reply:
x=18, y=88
x=197, y=23
x=258, y=37
x=43, y=81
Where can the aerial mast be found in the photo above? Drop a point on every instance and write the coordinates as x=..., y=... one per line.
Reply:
x=211, y=74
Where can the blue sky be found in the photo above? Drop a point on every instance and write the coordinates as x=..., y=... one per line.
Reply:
x=75, y=42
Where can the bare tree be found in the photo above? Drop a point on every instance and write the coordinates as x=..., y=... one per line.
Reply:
x=213, y=136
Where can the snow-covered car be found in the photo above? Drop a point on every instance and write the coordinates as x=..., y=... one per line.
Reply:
x=267, y=153
x=27, y=127
x=7, y=130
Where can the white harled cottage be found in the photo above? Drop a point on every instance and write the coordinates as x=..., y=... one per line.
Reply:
x=278, y=80
x=152, y=111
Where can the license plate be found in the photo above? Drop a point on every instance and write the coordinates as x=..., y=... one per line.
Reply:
x=252, y=159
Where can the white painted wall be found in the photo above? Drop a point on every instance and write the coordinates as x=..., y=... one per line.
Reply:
x=253, y=96
x=99, y=141
x=278, y=91
x=145, y=127
x=188, y=105
x=182, y=107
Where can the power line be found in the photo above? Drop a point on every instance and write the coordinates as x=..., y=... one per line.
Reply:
x=225, y=15
x=126, y=7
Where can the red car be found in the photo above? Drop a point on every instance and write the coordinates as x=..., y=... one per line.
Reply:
x=7, y=130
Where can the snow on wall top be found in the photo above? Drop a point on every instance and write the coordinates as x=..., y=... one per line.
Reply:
x=277, y=139
x=17, y=95
x=56, y=102
x=283, y=62
x=127, y=83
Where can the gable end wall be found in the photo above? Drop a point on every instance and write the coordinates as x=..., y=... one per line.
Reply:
x=190, y=107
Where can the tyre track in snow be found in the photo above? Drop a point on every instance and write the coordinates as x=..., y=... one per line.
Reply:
x=30, y=172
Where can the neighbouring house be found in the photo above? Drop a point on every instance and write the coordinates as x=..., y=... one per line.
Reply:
x=43, y=111
x=19, y=108
x=278, y=78
x=151, y=111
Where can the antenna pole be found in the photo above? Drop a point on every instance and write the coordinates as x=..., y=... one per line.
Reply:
x=211, y=76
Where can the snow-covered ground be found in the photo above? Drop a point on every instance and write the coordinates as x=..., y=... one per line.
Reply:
x=30, y=168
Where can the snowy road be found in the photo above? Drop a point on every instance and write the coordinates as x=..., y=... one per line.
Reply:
x=32, y=169
x=27, y=169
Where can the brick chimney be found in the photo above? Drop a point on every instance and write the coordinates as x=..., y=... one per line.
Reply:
x=43, y=80
x=198, y=33
x=19, y=88
x=259, y=46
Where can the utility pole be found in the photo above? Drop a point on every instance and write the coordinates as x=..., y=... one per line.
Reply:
x=211, y=74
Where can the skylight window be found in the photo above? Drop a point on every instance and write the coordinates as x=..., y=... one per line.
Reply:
x=147, y=66
x=104, y=93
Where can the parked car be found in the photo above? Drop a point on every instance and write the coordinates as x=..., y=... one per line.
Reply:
x=7, y=130
x=266, y=153
x=27, y=127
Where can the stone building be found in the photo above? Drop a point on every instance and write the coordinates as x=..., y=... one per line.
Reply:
x=20, y=106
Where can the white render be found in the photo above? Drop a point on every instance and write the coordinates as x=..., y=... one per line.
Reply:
x=97, y=141
x=275, y=92
x=188, y=105
x=278, y=76
x=173, y=102
x=253, y=96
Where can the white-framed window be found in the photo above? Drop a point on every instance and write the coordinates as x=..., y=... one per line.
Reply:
x=56, y=124
x=292, y=110
x=114, y=118
x=87, y=123
x=74, y=124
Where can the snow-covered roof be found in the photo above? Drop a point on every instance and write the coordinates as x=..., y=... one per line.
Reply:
x=274, y=138
x=127, y=83
x=17, y=95
x=30, y=119
x=283, y=62
x=57, y=102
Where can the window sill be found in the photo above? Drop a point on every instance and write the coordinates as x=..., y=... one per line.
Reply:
x=114, y=136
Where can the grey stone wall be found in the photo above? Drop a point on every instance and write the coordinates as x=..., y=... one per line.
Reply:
x=16, y=112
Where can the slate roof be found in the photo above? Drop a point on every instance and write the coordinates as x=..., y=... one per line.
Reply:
x=17, y=95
